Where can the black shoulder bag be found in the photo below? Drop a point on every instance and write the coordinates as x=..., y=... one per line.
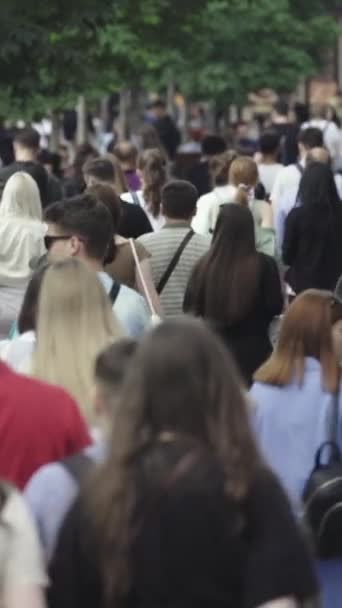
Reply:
x=173, y=264
x=322, y=495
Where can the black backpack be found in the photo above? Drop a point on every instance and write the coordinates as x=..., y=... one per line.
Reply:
x=322, y=496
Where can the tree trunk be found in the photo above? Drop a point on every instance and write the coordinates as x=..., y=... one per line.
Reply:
x=82, y=130
x=55, y=131
x=123, y=114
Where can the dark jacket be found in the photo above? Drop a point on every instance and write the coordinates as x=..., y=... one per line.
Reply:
x=312, y=249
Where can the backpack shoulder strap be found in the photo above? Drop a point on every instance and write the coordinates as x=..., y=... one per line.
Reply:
x=114, y=292
x=300, y=168
x=135, y=197
x=77, y=465
x=173, y=263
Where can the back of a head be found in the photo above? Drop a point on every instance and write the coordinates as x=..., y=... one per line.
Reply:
x=179, y=199
x=181, y=381
x=21, y=198
x=269, y=142
x=120, y=183
x=112, y=365
x=108, y=196
x=126, y=153
x=305, y=332
x=243, y=170
x=86, y=217
x=152, y=164
x=319, y=155
x=233, y=248
x=317, y=190
x=311, y=138
x=234, y=231
x=213, y=145
x=75, y=322
x=99, y=170
x=281, y=108
x=219, y=167
x=27, y=138
x=84, y=152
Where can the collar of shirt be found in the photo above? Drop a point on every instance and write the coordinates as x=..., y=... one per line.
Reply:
x=180, y=224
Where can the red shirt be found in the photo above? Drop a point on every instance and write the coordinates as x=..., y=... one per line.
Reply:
x=39, y=424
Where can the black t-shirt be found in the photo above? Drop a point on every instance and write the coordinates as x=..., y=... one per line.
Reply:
x=194, y=546
x=134, y=221
x=288, y=133
x=199, y=176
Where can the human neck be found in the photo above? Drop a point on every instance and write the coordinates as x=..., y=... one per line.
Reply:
x=268, y=159
x=175, y=222
x=23, y=155
x=95, y=265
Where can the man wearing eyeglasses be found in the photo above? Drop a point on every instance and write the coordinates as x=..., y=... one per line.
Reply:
x=82, y=227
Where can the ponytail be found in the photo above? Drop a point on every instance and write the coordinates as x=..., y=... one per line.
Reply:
x=152, y=164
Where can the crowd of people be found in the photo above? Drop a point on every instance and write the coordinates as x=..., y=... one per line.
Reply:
x=170, y=372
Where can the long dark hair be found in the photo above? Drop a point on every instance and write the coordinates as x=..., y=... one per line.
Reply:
x=27, y=319
x=318, y=193
x=181, y=381
x=224, y=282
x=152, y=164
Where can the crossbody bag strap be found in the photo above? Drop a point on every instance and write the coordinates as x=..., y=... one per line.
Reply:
x=333, y=431
x=173, y=264
x=142, y=278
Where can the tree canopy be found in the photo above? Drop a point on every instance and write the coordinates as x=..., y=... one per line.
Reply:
x=215, y=49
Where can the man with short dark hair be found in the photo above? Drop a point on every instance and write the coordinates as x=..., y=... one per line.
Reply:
x=26, y=150
x=175, y=249
x=199, y=174
x=287, y=131
x=168, y=133
x=54, y=487
x=268, y=166
x=289, y=177
x=82, y=227
x=134, y=221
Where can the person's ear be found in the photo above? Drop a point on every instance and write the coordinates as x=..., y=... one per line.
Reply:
x=75, y=246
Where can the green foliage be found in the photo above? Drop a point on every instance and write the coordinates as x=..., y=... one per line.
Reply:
x=53, y=50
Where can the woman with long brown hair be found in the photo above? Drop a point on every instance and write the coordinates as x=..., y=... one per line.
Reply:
x=237, y=289
x=294, y=399
x=183, y=513
x=152, y=170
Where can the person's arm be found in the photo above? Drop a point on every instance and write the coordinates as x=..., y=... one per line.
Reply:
x=24, y=578
x=201, y=221
x=279, y=565
x=146, y=270
x=290, y=242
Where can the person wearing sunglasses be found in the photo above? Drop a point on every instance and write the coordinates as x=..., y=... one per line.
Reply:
x=82, y=227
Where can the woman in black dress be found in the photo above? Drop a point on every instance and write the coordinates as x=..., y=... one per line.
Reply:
x=312, y=246
x=237, y=289
x=184, y=512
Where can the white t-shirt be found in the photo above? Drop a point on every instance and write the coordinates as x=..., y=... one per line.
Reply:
x=156, y=222
x=288, y=179
x=21, y=560
x=208, y=208
x=331, y=134
x=268, y=174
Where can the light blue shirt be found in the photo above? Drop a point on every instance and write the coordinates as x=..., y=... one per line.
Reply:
x=50, y=493
x=130, y=308
x=291, y=423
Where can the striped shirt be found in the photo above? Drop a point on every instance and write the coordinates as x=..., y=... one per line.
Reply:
x=162, y=246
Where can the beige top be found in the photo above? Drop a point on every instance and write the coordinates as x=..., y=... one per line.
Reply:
x=21, y=561
x=123, y=267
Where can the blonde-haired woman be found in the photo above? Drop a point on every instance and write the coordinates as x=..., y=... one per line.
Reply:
x=21, y=240
x=75, y=322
